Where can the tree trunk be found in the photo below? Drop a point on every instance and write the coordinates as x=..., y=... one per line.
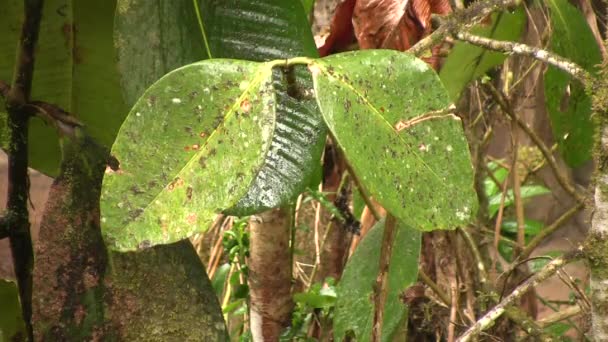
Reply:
x=270, y=274
x=84, y=292
x=597, y=245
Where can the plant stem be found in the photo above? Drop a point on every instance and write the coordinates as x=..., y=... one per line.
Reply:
x=525, y=50
x=461, y=19
x=17, y=98
x=381, y=288
x=500, y=98
x=433, y=285
x=490, y=317
x=540, y=237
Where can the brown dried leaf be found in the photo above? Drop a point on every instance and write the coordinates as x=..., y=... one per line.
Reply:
x=395, y=24
x=341, y=32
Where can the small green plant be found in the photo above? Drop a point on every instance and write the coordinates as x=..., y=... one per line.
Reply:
x=317, y=302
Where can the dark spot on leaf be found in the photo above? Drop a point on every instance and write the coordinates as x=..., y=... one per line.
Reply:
x=212, y=152
x=136, y=190
x=145, y=244
x=151, y=184
x=189, y=193
x=347, y=105
x=136, y=213
x=152, y=100
x=202, y=162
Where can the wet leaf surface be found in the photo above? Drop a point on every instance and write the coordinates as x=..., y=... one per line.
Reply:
x=355, y=306
x=237, y=29
x=261, y=31
x=384, y=110
x=190, y=148
x=568, y=105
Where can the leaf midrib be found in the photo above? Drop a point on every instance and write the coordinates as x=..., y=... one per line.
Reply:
x=376, y=111
x=262, y=69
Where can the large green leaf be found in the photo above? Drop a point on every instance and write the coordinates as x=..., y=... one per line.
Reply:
x=12, y=327
x=153, y=38
x=190, y=147
x=74, y=70
x=466, y=62
x=568, y=105
x=355, y=307
x=383, y=109
x=180, y=32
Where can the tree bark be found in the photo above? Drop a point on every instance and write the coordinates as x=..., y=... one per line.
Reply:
x=270, y=274
x=84, y=292
x=597, y=245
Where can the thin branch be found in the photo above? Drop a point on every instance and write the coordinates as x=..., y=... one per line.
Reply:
x=518, y=201
x=490, y=317
x=18, y=183
x=561, y=178
x=561, y=315
x=433, y=285
x=460, y=20
x=481, y=267
x=381, y=287
x=527, y=324
x=364, y=194
x=540, y=237
x=508, y=47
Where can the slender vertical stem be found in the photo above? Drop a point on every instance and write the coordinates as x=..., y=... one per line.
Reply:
x=18, y=183
x=381, y=287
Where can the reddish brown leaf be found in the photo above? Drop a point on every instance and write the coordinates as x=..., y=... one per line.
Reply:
x=341, y=33
x=375, y=20
x=395, y=24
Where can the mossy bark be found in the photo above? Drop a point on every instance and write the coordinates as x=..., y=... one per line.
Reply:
x=84, y=292
x=596, y=247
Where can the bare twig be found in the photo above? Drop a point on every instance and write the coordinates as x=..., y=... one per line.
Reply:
x=381, y=287
x=488, y=319
x=561, y=178
x=459, y=20
x=519, y=204
x=540, y=237
x=561, y=315
x=18, y=184
x=453, y=309
x=481, y=267
x=445, y=299
x=525, y=50
x=527, y=324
